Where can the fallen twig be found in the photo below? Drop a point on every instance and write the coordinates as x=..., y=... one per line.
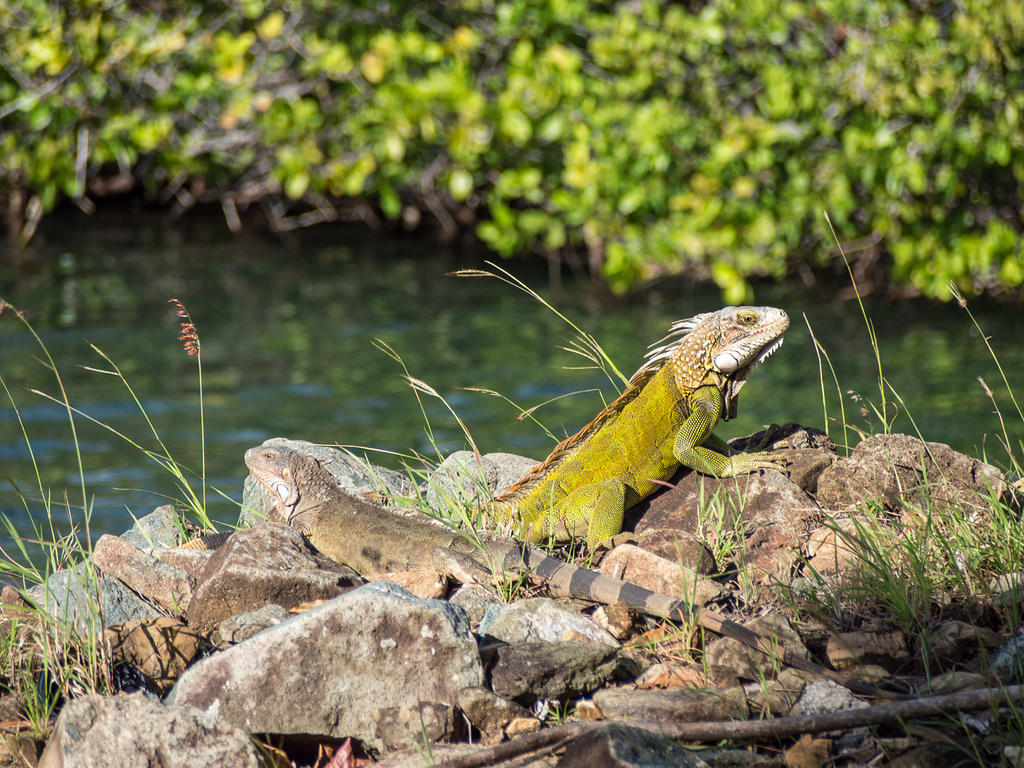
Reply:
x=778, y=727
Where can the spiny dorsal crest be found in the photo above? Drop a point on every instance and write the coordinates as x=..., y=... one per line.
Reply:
x=719, y=348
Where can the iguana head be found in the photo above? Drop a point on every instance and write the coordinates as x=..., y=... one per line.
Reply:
x=720, y=349
x=295, y=479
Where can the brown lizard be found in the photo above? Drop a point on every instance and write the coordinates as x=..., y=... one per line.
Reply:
x=374, y=540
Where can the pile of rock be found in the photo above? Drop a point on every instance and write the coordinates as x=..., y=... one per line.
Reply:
x=266, y=636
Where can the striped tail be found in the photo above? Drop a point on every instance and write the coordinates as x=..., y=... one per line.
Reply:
x=590, y=585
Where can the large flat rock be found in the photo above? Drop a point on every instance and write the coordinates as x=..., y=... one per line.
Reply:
x=376, y=664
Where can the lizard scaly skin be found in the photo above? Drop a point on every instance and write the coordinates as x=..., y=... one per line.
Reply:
x=374, y=540
x=662, y=420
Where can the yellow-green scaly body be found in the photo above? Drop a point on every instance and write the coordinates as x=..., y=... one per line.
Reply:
x=662, y=420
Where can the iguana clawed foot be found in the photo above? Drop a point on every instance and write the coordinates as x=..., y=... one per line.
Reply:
x=748, y=462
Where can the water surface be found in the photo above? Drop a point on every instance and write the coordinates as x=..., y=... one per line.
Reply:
x=287, y=328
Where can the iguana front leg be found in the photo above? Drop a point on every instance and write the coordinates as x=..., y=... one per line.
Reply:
x=697, y=447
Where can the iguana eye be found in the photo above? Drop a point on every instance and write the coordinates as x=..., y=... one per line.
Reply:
x=747, y=318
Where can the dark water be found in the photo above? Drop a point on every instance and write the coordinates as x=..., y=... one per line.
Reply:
x=287, y=329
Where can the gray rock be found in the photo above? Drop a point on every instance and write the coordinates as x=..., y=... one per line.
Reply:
x=616, y=745
x=474, y=601
x=775, y=698
x=541, y=619
x=87, y=600
x=159, y=529
x=672, y=704
x=526, y=672
x=464, y=478
x=270, y=563
x=491, y=714
x=235, y=629
x=376, y=664
x=826, y=696
x=352, y=473
x=135, y=731
x=1008, y=664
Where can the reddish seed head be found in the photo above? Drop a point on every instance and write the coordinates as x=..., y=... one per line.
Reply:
x=188, y=334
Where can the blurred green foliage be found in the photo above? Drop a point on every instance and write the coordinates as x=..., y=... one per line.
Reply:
x=637, y=137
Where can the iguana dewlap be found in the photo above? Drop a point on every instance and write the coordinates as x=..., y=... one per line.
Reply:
x=690, y=381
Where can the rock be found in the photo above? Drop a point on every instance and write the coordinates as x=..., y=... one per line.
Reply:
x=474, y=601
x=673, y=676
x=270, y=563
x=354, y=474
x=525, y=672
x=467, y=479
x=953, y=641
x=823, y=697
x=375, y=664
x=659, y=574
x=828, y=548
x=771, y=555
x=772, y=510
x=748, y=663
x=1008, y=664
x=739, y=758
x=191, y=561
x=134, y=731
x=88, y=600
x=951, y=682
x=422, y=582
x=614, y=745
x=235, y=629
x=672, y=704
x=900, y=470
x=18, y=750
x=160, y=529
x=774, y=698
x=857, y=746
x=541, y=619
x=618, y=620
x=493, y=715
x=161, y=582
x=161, y=648
x=850, y=649
x=808, y=451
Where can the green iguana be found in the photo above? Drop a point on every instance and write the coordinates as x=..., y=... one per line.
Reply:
x=663, y=419
x=375, y=540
